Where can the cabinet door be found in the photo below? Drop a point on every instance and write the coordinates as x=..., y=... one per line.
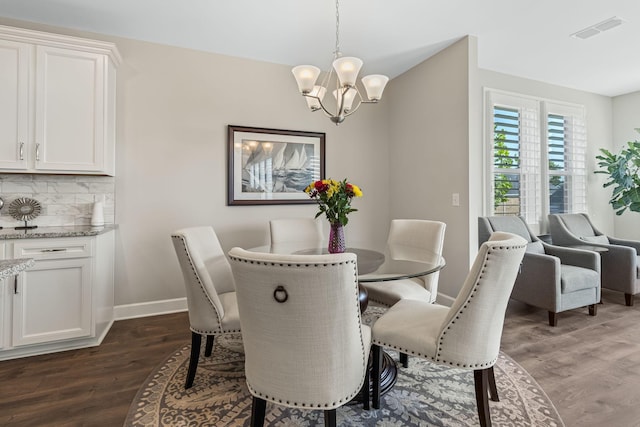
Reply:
x=69, y=121
x=14, y=108
x=52, y=301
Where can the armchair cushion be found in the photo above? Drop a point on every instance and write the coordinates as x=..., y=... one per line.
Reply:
x=576, y=278
x=596, y=239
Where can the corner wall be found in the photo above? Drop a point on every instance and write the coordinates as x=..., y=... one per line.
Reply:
x=429, y=151
x=626, y=117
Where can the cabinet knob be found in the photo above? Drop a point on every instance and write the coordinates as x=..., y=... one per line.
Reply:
x=54, y=250
x=37, y=152
x=22, y=151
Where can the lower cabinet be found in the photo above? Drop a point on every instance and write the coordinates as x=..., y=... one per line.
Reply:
x=52, y=301
x=63, y=302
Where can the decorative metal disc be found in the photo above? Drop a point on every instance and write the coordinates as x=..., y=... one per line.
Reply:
x=24, y=209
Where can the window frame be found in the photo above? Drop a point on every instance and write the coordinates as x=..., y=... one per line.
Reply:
x=534, y=177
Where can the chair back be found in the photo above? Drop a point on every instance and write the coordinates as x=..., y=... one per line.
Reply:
x=571, y=229
x=300, y=318
x=423, y=234
x=471, y=333
x=509, y=224
x=206, y=273
x=296, y=230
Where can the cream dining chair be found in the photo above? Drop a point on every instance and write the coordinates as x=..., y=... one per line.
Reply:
x=210, y=289
x=305, y=345
x=422, y=234
x=464, y=336
x=296, y=230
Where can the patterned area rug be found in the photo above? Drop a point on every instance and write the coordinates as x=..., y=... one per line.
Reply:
x=425, y=394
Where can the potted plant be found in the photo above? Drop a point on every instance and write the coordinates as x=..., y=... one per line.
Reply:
x=624, y=174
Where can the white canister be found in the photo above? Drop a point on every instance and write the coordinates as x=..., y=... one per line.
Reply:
x=97, y=215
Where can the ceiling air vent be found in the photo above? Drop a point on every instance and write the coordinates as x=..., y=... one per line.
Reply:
x=598, y=28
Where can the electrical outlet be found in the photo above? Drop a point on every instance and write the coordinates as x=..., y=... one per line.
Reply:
x=455, y=199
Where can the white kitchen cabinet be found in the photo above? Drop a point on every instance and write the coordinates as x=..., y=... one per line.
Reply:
x=52, y=301
x=57, y=103
x=64, y=301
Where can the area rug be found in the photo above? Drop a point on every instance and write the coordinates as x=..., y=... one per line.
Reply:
x=425, y=394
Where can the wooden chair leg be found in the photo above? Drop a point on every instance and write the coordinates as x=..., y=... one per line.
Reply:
x=493, y=388
x=196, y=341
x=593, y=309
x=365, y=391
x=628, y=300
x=481, y=378
x=553, y=319
x=330, y=418
x=258, y=409
x=376, y=369
x=208, y=348
x=404, y=360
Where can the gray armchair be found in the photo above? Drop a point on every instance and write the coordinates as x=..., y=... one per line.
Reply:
x=620, y=261
x=552, y=278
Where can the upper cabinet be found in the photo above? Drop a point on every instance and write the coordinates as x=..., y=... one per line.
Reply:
x=57, y=103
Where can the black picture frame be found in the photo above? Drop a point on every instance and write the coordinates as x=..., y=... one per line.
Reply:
x=272, y=166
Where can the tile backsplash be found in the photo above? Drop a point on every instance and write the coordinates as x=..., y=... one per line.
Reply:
x=66, y=199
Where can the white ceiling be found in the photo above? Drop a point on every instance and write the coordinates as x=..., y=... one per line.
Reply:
x=523, y=38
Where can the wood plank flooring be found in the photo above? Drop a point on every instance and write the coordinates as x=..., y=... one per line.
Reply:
x=589, y=367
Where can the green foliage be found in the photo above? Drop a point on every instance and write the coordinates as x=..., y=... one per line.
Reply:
x=623, y=170
x=501, y=184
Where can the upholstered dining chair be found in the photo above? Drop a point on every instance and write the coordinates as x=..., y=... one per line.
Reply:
x=305, y=345
x=423, y=234
x=464, y=336
x=296, y=230
x=620, y=259
x=553, y=278
x=210, y=289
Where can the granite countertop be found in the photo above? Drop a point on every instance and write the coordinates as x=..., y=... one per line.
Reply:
x=45, y=232
x=11, y=267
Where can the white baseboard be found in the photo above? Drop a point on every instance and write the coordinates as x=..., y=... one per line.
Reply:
x=152, y=308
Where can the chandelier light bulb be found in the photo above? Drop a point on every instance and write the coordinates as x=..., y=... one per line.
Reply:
x=349, y=96
x=306, y=76
x=347, y=69
x=374, y=84
x=315, y=97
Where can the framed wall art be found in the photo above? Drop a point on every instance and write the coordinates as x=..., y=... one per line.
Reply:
x=272, y=166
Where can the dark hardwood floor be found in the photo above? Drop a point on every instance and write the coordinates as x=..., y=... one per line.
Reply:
x=589, y=367
x=93, y=386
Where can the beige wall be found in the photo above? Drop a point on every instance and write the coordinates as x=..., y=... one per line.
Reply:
x=173, y=109
x=429, y=151
x=626, y=117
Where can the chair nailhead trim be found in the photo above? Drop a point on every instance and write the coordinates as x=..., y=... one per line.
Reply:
x=195, y=273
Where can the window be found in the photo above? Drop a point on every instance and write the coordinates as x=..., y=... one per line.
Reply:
x=537, y=152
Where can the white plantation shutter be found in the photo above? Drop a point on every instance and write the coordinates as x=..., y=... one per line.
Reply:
x=545, y=169
x=530, y=159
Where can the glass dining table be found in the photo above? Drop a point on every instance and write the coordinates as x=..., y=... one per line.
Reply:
x=377, y=262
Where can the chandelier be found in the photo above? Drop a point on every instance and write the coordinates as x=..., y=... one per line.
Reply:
x=342, y=76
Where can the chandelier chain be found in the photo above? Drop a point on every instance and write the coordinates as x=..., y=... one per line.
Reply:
x=337, y=51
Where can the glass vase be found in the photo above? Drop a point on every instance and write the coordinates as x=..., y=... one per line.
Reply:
x=337, y=244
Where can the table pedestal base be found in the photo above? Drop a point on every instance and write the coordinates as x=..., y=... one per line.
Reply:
x=388, y=377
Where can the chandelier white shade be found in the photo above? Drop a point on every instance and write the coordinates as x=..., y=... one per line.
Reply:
x=342, y=76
